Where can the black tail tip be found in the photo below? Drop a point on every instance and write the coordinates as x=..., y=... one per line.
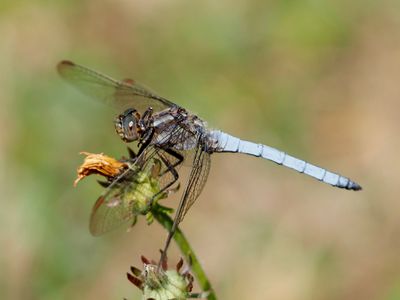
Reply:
x=354, y=186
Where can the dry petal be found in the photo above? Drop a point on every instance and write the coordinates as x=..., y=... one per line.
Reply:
x=99, y=164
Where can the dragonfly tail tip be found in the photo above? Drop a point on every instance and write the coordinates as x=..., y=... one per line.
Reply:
x=354, y=186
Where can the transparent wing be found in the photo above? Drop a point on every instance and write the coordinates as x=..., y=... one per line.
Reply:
x=197, y=179
x=120, y=94
x=106, y=217
x=197, y=159
x=112, y=209
x=196, y=182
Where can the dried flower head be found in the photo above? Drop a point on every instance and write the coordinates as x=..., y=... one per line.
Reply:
x=160, y=283
x=99, y=164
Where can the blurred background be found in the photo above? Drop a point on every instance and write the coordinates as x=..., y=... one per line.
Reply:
x=317, y=79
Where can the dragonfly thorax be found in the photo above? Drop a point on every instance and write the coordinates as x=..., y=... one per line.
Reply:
x=127, y=125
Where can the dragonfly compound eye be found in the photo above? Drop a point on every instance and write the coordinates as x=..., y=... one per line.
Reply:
x=126, y=125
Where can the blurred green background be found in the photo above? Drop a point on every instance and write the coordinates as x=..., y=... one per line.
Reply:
x=318, y=79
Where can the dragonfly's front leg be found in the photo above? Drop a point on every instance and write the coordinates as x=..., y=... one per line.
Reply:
x=145, y=139
x=148, y=113
x=170, y=168
x=146, y=118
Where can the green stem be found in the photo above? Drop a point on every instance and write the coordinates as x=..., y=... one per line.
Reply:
x=165, y=220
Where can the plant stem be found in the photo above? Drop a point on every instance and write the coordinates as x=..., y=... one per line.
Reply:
x=165, y=220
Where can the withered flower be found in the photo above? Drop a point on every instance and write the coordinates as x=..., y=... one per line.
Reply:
x=160, y=283
x=99, y=164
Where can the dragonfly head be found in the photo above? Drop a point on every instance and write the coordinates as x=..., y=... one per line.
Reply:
x=127, y=125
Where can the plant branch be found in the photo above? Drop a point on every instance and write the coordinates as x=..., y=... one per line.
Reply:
x=165, y=220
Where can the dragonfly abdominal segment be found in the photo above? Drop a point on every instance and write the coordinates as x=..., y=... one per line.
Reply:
x=229, y=143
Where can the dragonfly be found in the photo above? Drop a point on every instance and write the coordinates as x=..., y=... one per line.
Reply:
x=163, y=128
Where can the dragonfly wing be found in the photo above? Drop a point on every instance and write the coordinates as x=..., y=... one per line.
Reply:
x=198, y=159
x=110, y=210
x=196, y=182
x=120, y=94
x=197, y=179
x=107, y=216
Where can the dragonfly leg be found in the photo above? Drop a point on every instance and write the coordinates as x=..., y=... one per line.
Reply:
x=132, y=154
x=145, y=140
x=147, y=115
x=170, y=169
x=173, y=190
x=145, y=119
x=178, y=156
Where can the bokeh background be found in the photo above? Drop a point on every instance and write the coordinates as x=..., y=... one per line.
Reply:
x=318, y=79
